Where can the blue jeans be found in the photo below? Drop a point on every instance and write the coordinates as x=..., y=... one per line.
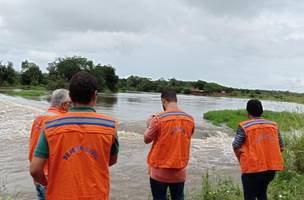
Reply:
x=40, y=191
x=159, y=190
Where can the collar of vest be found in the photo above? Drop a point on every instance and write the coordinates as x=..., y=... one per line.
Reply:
x=82, y=109
x=173, y=113
x=56, y=110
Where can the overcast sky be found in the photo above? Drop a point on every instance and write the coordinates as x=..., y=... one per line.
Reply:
x=238, y=43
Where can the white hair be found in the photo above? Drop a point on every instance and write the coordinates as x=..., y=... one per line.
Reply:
x=60, y=96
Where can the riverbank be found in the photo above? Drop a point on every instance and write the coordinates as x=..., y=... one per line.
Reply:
x=25, y=91
x=287, y=184
x=38, y=91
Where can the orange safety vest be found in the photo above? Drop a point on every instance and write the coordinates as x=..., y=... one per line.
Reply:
x=261, y=149
x=36, y=130
x=172, y=146
x=79, y=154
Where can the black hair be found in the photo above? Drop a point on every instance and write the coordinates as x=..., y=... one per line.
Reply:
x=254, y=107
x=169, y=95
x=82, y=87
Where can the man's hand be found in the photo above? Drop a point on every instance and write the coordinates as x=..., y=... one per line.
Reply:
x=113, y=160
x=237, y=153
x=36, y=170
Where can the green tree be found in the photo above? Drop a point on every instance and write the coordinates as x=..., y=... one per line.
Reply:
x=200, y=84
x=99, y=74
x=65, y=68
x=8, y=75
x=212, y=87
x=133, y=83
x=106, y=76
x=161, y=85
x=30, y=74
x=147, y=85
x=122, y=84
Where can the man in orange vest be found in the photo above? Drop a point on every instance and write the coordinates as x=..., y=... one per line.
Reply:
x=79, y=145
x=258, y=145
x=170, y=131
x=60, y=103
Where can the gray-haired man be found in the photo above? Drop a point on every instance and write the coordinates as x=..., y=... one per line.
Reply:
x=60, y=103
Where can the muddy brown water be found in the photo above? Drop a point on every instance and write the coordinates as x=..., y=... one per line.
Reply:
x=210, y=149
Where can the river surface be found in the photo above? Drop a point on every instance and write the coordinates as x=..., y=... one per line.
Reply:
x=210, y=148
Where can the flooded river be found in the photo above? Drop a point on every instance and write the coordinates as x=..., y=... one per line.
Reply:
x=210, y=149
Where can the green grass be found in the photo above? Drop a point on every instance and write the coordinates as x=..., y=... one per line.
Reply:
x=24, y=91
x=221, y=188
x=287, y=121
x=287, y=185
x=27, y=93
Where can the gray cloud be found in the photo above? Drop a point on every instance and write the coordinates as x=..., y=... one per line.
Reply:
x=245, y=9
x=230, y=42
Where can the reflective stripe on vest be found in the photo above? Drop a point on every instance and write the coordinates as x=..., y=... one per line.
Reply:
x=172, y=146
x=174, y=114
x=80, y=121
x=79, y=155
x=261, y=149
x=257, y=121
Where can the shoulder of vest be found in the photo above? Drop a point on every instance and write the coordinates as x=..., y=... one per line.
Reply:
x=245, y=122
x=259, y=121
x=48, y=113
x=54, y=110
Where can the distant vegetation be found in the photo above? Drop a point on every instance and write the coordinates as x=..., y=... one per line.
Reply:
x=62, y=69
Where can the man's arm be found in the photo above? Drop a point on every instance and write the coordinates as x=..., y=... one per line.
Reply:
x=281, y=142
x=237, y=154
x=152, y=129
x=239, y=139
x=36, y=170
x=114, y=151
x=41, y=154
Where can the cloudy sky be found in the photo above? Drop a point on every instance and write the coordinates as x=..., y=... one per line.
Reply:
x=238, y=43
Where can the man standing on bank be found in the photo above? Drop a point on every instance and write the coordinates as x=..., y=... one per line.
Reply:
x=79, y=145
x=170, y=131
x=60, y=104
x=258, y=145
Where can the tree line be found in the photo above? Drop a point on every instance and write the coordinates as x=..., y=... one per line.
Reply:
x=60, y=71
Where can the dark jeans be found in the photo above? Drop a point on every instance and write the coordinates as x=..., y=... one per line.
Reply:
x=159, y=190
x=40, y=192
x=255, y=185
